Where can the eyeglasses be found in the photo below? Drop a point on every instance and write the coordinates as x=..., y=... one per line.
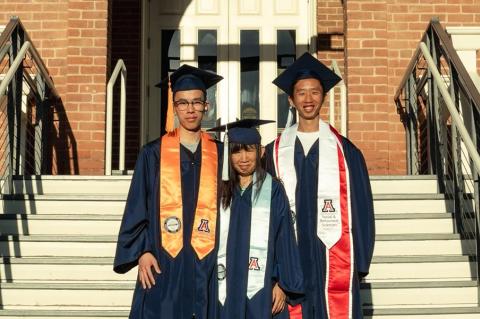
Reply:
x=182, y=105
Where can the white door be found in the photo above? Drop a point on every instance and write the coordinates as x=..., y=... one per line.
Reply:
x=248, y=42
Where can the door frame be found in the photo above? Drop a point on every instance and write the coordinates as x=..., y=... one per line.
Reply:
x=147, y=88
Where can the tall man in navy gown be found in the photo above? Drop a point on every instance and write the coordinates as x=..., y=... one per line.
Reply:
x=328, y=187
x=169, y=224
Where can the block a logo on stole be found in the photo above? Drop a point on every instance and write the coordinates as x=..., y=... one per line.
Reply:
x=253, y=264
x=328, y=206
x=204, y=226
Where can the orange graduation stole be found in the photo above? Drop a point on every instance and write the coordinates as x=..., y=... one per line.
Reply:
x=171, y=208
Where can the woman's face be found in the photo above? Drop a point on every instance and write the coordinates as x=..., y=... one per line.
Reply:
x=244, y=161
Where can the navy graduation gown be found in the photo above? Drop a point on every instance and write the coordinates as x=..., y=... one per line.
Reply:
x=312, y=250
x=283, y=264
x=182, y=288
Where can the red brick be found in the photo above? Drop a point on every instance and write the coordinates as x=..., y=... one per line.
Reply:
x=360, y=15
x=94, y=15
x=81, y=5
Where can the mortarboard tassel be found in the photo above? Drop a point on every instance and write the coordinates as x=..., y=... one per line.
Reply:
x=170, y=121
x=291, y=112
x=226, y=157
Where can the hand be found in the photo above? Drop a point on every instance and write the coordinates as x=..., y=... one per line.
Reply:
x=278, y=299
x=145, y=275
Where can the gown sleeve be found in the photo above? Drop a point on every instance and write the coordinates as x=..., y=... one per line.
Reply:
x=287, y=269
x=362, y=209
x=133, y=239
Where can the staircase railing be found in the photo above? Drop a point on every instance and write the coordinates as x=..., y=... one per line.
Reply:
x=28, y=99
x=120, y=69
x=440, y=108
x=343, y=101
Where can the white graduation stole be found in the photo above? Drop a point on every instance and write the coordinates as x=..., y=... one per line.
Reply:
x=329, y=223
x=259, y=233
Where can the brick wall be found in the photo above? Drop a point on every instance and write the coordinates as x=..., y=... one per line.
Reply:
x=330, y=44
x=86, y=69
x=381, y=37
x=373, y=51
x=71, y=37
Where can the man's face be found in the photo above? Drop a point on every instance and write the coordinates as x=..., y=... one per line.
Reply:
x=189, y=107
x=307, y=98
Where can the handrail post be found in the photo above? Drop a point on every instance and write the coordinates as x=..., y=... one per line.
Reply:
x=331, y=108
x=119, y=68
x=121, y=155
x=343, y=101
x=108, y=133
x=476, y=178
x=343, y=109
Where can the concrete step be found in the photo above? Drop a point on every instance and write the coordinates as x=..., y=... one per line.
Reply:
x=434, y=223
x=57, y=246
x=119, y=294
x=407, y=184
x=411, y=204
x=421, y=268
x=104, y=245
x=63, y=204
x=390, y=313
x=68, y=294
x=68, y=184
x=87, y=224
x=94, y=185
x=382, y=269
x=86, y=308
x=422, y=244
x=65, y=184
x=78, y=269
x=29, y=224
x=433, y=293
x=36, y=313
x=428, y=312
x=115, y=203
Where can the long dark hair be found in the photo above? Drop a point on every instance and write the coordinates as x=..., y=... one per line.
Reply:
x=228, y=187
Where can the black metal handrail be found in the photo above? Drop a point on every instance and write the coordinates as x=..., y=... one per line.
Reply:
x=440, y=109
x=441, y=37
x=12, y=27
x=34, y=132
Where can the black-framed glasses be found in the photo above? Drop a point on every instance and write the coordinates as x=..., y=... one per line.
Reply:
x=182, y=105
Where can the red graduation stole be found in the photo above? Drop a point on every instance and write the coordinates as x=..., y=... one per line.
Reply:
x=171, y=207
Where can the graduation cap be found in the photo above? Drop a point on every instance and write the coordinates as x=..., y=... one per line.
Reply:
x=186, y=78
x=241, y=132
x=306, y=67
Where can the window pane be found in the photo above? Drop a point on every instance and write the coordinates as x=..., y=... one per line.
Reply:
x=207, y=60
x=170, y=51
x=170, y=61
x=249, y=77
x=285, y=57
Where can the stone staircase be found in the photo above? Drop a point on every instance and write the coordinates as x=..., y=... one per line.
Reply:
x=58, y=233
